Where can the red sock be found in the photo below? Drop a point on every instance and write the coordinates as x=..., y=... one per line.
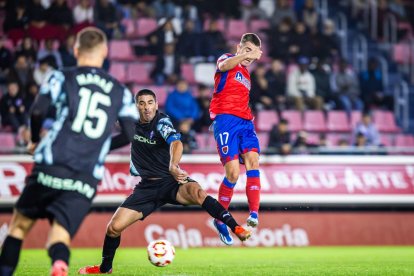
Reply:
x=225, y=193
x=253, y=190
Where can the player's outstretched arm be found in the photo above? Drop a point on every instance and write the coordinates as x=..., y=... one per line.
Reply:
x=38, y=113
x=176, y=152
x=126, y=136
x=231, y=62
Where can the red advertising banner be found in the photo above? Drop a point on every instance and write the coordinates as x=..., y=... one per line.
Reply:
x=276, y=229
x=322, y=181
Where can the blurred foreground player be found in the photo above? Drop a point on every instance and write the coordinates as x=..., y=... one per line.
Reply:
x=69, y=159
x=233, y=127
x=155, y=155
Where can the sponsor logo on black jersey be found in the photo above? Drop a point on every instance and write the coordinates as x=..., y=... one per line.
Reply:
x=145, y=140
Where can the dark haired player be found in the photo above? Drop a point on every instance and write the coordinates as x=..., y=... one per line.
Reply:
x=155, y=155
x=233, y=127
x=69, y=159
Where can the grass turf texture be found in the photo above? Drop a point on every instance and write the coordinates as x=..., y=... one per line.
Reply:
x=242, y=261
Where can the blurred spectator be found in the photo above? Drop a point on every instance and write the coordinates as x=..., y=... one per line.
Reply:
x=279, y=138
x=360, y=140
x=203, y=99
x=6, y=59
x=383, y=9
x=66, y=52
x=323, y=141
x=322, y=76
x=276, y=79
x=39, y=28
x=21, y=73
x=250, y=10
x=167, y=67
x=38, y=16
x=187, y=136
x=343, y=143
x=358, y=8
x=43, y=70
x=143, y=9
x=300, y=42
x=298, y=6
x=280, y=39
x=310, y=15
x=282, y=11
x=59, y=14
x=16, y=18
x=301, y=87
x=50, y=50
x=367, y=128
x=164, y=34
x=181, y=105
x=15, y=22
x=12, y=110
x=259, y=92
x=301, y=144
x=189, y=42
x=398, y=8
x=186, y=10
x=326, y=44
x=372, y=87
x=268, y=6
x=106, y=17
x=83, y=12
x=214, y=42
x=217, y=8
x=28, y=49
x=164, y=8
x=346, y=87
x=30, y=96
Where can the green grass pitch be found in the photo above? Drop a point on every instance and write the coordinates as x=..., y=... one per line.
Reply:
x=242, y=261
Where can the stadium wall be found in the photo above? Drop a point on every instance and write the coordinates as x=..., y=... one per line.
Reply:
x=277, y=229
x=296, y=180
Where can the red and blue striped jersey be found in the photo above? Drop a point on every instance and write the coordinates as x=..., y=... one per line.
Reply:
x=231, y=91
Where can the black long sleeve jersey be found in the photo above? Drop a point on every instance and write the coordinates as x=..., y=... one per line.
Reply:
x=150, y=149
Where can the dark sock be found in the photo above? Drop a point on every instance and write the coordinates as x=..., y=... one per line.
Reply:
x=9, y=255
x=59, y=251
x=216, y=210
x=108, y=252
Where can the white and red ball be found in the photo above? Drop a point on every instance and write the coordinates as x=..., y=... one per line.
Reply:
x=160, y=252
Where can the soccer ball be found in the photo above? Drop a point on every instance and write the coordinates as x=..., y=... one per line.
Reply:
x=160, y=252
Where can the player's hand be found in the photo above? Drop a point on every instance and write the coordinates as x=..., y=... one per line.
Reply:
x=31, y=147
x=178, y=174
x=255, y=54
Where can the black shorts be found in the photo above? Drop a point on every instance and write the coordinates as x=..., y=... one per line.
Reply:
x=57, y=193
x=149, y=195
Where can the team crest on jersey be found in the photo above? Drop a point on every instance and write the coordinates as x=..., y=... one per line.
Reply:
x=240, y=78
x=225, y=149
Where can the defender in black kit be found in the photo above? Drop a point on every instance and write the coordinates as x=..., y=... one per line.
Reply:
x=155, y=155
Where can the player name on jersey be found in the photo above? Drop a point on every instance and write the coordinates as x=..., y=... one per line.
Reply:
x=85, y=79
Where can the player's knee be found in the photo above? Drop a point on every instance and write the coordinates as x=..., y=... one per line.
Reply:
x=252, y=163
x=200, y=195
x=233, y=176
x=114, y=229
x=19, y=228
